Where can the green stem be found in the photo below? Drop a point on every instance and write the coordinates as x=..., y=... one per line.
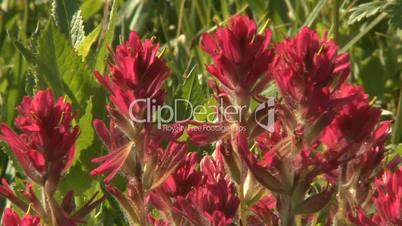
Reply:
x=340, y=215
x=243, y=208
x=49, y=218
x=286, y=214
x=397, y=129
x=335, y=20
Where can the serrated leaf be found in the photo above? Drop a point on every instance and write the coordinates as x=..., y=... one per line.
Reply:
x=107, y=39
x=59, y=66
x=366, y=10
x=85, y=45
x=67, y=15
x=190, y=95
x=86, y=136
x=31, y=84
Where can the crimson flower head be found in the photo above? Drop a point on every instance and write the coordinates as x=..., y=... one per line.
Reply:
x=355, y=120
x=307, y=70
x=263, y=209
x=240, y=56
x=184, y=178
x=45, y=147
x=137, y=73
x=355, y=123
x=388, y=199
x=213, y=201
x=11, y=218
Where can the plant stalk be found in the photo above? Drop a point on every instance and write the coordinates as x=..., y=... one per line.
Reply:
x=335, y=20
x=397, y=129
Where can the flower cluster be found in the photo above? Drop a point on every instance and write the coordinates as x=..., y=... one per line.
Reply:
x=135, y=149
x=324, y=126
x=241, y=56
x=45, y=148
x=321, y=157
x=201, y=196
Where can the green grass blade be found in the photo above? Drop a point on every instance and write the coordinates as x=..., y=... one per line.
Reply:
x=314, y=14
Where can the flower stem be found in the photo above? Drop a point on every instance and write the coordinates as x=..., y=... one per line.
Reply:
x=243, y=208
x=340, y=215
x=49, y=218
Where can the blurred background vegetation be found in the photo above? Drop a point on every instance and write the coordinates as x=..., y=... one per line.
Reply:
x=58, y=43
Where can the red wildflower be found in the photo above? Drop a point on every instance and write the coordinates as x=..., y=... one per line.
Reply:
x=215, y=199
x=264, y=209
x=11, y=218
x=354, y=124
x=137, y=73
x=184, y=178
x=241, y=56
x=45, y=149
x=307, y=70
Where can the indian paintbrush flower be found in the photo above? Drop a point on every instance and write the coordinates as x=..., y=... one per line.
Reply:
x=45, y=147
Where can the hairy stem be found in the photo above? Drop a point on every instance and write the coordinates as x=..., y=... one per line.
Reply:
x=49, y=217
x=340, y=215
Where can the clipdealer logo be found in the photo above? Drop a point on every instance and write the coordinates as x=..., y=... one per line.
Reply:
x=165, y=115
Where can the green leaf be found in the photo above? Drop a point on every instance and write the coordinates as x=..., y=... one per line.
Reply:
x=59, y=66
x=86, y=136
x=14, y=162
x=372, y=75
x=363, y=32
x=85, y=45
x=193, y=90
x=394, y=10
x=91, y=7
x=108, y=39
x=67, y=15
x=15, y=87
x=365, y=10
x=80, y=181
x=190, y=95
